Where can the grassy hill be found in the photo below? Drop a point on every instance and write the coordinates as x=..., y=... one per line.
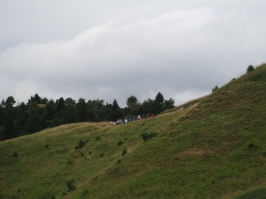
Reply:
x=213, y=147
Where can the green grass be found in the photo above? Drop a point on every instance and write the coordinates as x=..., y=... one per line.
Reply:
x=254, y=194
x=214, y=149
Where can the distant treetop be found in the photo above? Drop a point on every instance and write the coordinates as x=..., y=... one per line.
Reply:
x=250, y=68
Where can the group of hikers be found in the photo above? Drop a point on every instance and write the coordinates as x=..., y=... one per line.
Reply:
x=131, y=119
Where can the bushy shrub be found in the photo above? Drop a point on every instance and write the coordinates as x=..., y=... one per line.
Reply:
x=71, y=185
x=97, y=138
x=147, y=136
x=15, y=155
x=80, y=145
x=250, y=68
x=124, y=152
x=101, y=155
x=118, y=161
x=251, y=145
x=119, y=143
x=215, y=88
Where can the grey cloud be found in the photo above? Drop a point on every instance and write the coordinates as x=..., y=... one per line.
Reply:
x=182, y=53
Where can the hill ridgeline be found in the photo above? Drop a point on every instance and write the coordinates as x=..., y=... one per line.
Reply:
x=212, y=147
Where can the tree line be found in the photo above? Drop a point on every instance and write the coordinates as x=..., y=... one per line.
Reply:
x=40, y=113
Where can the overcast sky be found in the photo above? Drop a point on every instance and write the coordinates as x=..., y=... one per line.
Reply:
x=114, y=49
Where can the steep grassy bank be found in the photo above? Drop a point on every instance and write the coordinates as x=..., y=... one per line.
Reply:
x=213, y=148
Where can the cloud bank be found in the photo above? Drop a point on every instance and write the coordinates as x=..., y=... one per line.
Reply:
x=182, y=53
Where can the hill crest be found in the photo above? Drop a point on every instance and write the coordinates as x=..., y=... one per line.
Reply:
x=211, y=148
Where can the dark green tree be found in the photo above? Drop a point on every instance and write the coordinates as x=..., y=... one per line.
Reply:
x=44, y=100
x=157, y=107
x=250, y=68
x=148, y=106
x=1, y=115
x=131, y=100
x=10, y=101
x=116, y=112
x=60, y=104
x=159, y=98
x=115, y=104
x=70, y=115
x=90, y=107
x=133, y=105
x=36, y=98
x=35, y=120
x=9, y=117
x=215, y=88
x=168, y=104
x=70, y=112
x=2, y=119
x=108, y=111
x=8, y=124
x=70, y=102
x=2, y=136
x=158, y=103
x=98, y=110
x=82, y=112
x=50, y=111
x=20, y=119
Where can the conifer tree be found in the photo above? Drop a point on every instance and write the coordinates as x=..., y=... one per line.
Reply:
x=35, y=121
x=82, y=112
x=159, y=98
x=20, y=119
x=9, y=117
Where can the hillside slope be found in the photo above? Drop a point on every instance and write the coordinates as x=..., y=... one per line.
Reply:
x=212, y=148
